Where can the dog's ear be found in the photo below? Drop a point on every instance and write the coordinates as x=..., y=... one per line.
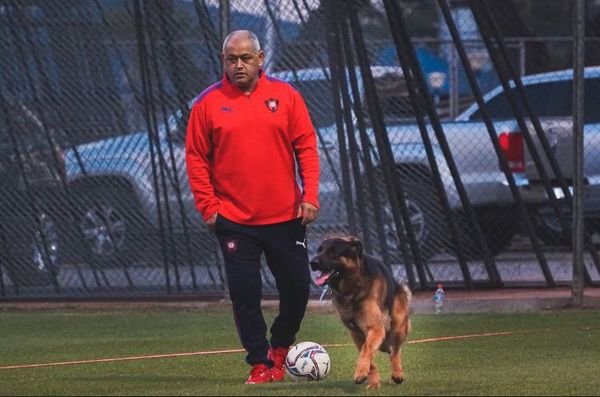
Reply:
x=357, y=247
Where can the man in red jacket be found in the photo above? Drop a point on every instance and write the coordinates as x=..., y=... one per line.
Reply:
x=245, y=135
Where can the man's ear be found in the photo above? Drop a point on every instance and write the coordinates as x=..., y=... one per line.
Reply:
x=261, y=58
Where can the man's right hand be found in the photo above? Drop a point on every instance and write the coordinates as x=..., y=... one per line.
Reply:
x=212, y=221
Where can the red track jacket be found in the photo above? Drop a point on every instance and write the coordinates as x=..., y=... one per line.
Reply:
x=241, y=152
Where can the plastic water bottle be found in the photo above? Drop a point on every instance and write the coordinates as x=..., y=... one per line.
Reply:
x=438, y=299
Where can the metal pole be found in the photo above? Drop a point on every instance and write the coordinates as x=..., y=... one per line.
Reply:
x=163, y=167
x=271, y=36
x=522, y=61
x=224, y=19
x=393, y=183
x=578, y=109
x=333, y=43
x=453, y=84
x=487, y=119
x=365, y=142
x=209, y=33
x=149, y=111
x=501, y=63
x=404, y=44
x=421, y=110
x=542, y=139
x=352, y=144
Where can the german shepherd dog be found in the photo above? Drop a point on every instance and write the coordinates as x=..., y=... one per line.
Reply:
x=373, y=306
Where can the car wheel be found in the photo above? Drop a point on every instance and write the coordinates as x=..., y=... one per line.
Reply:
x=548, y=229
x=593, y=224
x=36, y=262
x=109, y=222
x=498, y=224
x=424, y=211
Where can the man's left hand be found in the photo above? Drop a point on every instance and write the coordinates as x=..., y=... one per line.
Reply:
x=308, y=212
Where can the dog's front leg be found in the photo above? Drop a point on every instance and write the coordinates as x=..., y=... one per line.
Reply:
x=374, y=338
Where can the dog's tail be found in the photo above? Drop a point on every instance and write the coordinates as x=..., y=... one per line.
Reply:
x=404, y=296
x=408, y=299
x=407, y=292
x=403, y=290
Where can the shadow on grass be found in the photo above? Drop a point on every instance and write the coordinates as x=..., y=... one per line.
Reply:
x=138, y=379
x=346, y=386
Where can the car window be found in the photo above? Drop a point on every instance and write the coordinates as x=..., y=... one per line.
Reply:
x=550, y=99
x=317, y=95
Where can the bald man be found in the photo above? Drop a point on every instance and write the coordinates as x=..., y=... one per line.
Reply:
x=245, y=135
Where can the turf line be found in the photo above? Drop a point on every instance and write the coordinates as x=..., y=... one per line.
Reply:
x=469, y=336
x=130, y=358
x=206, y=353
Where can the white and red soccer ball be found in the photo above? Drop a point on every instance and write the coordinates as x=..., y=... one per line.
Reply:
x=307, y=361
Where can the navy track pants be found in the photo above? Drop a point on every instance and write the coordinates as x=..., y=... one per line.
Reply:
x=284, y=247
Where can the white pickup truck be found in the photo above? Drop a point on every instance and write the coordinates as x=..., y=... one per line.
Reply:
x=550, y=95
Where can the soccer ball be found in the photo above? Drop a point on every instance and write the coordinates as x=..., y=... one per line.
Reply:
x=307, y=361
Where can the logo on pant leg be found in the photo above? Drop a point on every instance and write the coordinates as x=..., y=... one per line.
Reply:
x=231, y=245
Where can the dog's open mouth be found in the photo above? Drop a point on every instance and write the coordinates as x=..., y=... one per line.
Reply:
x=324, y=278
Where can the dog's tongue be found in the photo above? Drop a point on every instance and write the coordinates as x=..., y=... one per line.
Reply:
x=322, y=279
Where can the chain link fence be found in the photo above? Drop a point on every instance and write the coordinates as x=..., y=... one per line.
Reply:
x=444, y=129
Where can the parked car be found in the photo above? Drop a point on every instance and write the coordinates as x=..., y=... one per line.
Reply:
x=550, y=95
x=124, y=194
x=478, y=166
x=31, y=232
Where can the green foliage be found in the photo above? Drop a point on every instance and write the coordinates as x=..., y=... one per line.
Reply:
x=550, y=353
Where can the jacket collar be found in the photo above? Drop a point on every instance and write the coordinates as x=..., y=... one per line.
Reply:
x=262, y=77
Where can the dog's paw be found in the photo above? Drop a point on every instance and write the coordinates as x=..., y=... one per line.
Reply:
x=398, y=379
x=373, y=385
x=373, y=379
x=358, y=379
x=362, y=372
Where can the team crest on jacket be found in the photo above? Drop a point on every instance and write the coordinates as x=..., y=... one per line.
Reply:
x=272, y=104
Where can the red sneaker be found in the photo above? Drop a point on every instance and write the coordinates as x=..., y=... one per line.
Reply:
x=260, y=373
x=278, y=356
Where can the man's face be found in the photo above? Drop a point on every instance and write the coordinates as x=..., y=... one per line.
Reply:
x=242, y=63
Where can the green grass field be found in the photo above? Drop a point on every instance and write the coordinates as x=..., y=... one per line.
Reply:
x=559, y=354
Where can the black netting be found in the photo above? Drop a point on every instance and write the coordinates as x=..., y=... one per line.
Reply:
x=95, y=96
